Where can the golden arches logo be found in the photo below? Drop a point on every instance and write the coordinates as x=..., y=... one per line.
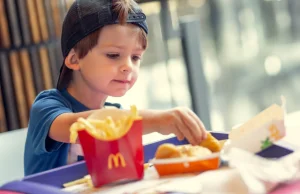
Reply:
x=116, y=160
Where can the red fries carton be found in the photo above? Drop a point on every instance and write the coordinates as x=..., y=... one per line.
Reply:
x=111, y=141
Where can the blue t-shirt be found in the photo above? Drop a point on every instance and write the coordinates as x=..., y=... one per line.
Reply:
x=41, y=152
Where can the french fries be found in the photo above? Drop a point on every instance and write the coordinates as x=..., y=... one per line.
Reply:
x=86, y=179
x=107, y=129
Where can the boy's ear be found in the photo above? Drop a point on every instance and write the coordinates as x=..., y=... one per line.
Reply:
x=72, y=60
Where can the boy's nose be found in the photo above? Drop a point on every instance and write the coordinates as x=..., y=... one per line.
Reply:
x=127, y=67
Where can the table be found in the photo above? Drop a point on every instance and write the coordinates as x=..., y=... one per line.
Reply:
x=228, y=180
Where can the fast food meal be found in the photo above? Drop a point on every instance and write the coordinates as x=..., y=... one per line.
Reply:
x=206, y=147
x=172, y=159
x=211, y=143
x=114, y=126
x=168, y=150
x=106, y=129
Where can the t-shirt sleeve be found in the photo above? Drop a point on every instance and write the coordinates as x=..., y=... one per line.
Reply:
x=44, y=111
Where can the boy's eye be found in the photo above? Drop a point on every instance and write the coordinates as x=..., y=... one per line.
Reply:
x=136, y=58
x=113, y=56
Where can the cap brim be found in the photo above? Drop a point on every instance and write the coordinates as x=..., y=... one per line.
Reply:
x=64, y=77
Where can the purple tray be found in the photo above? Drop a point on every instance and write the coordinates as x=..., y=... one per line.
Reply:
x=57, y=177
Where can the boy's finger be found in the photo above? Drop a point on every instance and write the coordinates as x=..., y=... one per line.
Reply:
x=186, y=130
x=179, y=134
x=200, y=124
x=193, y=126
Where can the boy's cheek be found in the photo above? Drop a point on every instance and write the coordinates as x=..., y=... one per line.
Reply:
x=135, y=73
x=133, y=81
x=134, y=78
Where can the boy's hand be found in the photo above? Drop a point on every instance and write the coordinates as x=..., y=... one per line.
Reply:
x=183, y=122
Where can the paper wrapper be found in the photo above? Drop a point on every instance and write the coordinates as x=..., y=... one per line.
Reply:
x=262, y=175
x=115, y=160
x=261, y=131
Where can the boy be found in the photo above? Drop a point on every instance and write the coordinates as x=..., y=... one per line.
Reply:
x=102, y=42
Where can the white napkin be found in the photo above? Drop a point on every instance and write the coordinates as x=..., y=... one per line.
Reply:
x=262, y=175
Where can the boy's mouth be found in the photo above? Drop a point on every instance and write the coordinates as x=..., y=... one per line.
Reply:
x=122, y=81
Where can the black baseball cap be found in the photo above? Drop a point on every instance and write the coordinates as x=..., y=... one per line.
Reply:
x=87, y=16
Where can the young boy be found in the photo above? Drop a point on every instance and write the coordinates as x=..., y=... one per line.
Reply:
x=103, y=42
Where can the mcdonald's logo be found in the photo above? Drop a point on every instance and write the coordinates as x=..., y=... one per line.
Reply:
x=116, y=160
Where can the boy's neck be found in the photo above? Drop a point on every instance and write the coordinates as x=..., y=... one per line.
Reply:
x=91, y=100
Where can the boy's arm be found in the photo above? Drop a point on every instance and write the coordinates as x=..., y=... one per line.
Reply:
x=150, y=121
x=180, y=121
x=60, y=128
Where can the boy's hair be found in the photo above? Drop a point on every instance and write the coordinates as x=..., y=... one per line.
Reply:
x=120, y=7
x=122, y=12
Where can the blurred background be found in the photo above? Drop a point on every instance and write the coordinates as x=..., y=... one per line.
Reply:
x=226, y=59
x=248, y=57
